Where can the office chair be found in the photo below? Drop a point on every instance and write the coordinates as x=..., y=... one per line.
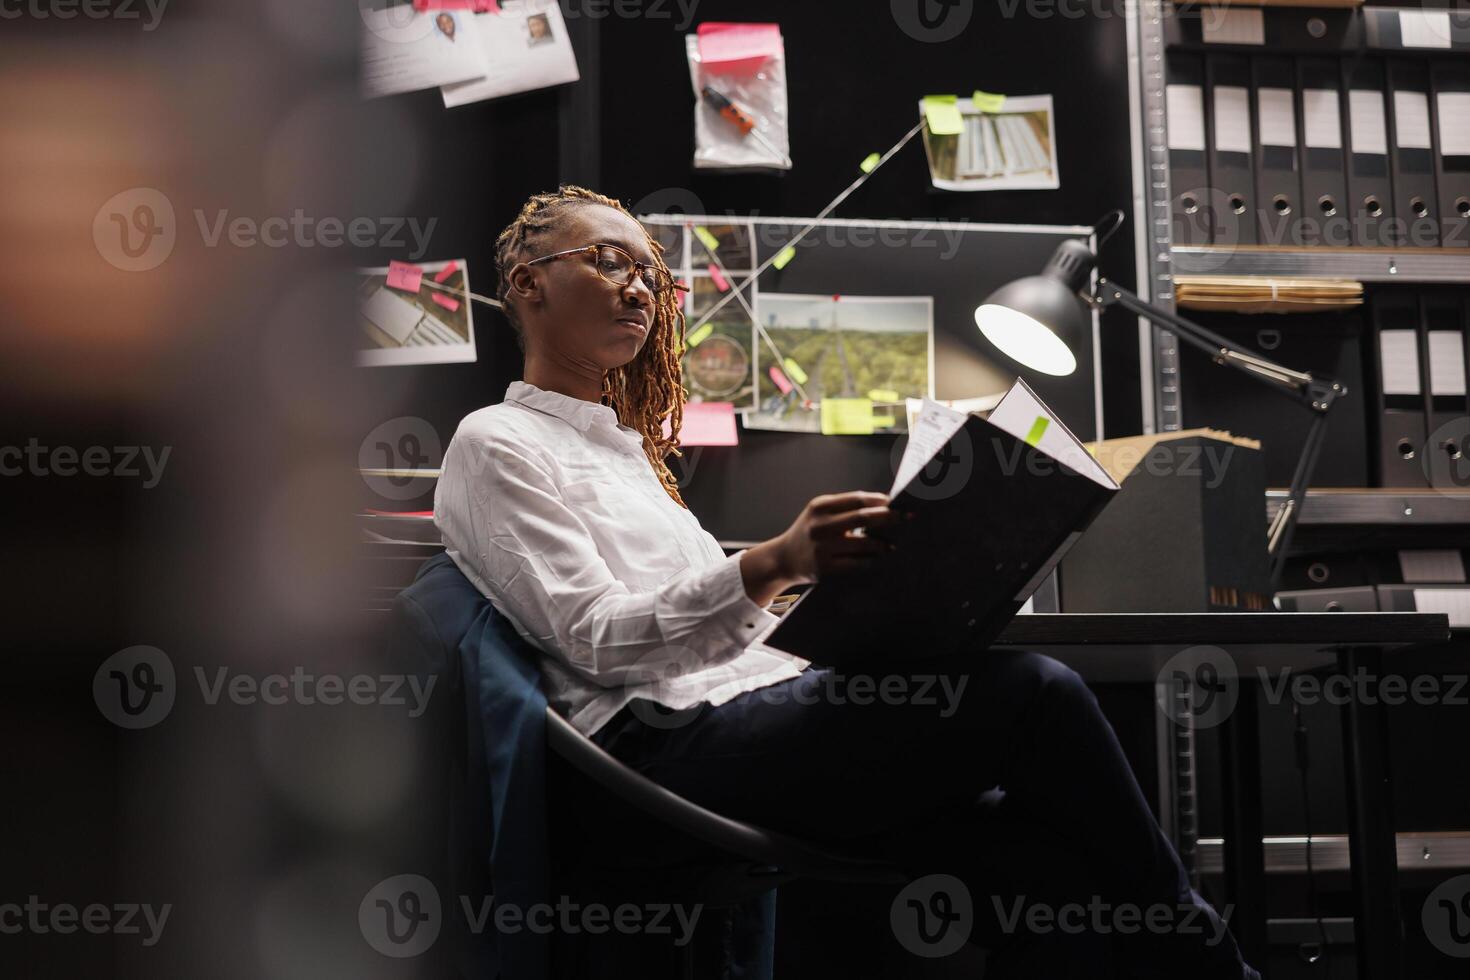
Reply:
x=657, y=846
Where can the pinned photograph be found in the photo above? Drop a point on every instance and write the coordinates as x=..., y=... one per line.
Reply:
x=1004, y=143
x=415, y=314
x=446, y=24
x=538, y=30
x=841, y=365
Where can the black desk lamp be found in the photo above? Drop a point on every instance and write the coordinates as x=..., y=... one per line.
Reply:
x=1039, y=319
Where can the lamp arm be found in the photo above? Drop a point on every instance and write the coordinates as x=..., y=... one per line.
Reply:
x=1297, y=383
x=1317, y=393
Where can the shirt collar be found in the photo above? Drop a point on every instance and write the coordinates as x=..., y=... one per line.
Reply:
x=578, y=412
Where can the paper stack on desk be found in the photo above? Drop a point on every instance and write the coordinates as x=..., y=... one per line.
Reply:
x=997, y=503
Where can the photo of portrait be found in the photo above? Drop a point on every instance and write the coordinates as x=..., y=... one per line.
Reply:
x=446, y=24
x=538, y=30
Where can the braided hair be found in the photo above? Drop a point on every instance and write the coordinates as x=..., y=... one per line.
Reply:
x=648, y=388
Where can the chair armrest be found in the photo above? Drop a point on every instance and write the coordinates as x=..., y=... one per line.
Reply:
x=755, y=844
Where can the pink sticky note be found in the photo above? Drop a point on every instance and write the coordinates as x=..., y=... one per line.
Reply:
x=724, y=42
x=708, y=424
x=475, y=5
x=448, y=302
x=718, y=278
x=447, y=271
x=780, y=380
x=406, y=277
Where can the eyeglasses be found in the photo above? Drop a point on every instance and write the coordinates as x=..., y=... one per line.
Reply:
x=619, y=268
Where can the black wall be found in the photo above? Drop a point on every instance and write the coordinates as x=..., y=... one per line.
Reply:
x=854, y=78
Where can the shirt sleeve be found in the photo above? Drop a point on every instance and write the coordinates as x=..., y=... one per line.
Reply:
x=512, y=533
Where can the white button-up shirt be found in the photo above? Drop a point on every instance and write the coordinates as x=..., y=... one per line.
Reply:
x=550, y=507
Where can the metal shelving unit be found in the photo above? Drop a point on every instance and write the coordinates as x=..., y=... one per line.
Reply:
x=1427, y=265
x=1407, y=512
x=1378, y=507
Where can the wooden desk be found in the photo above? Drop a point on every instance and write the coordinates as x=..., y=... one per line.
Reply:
x=1121, y=647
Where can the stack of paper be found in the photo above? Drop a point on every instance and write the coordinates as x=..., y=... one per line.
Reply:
x=1255, y=294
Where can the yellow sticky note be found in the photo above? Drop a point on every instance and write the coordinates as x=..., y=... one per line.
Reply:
x=697, y=337
x=870, y=162
x=943, y=115
x=883, y=395
x=706, y=236
x=847, y=417
x=987, y=101
x=784, y=256
x=883, y=421
x=1038, y=429
x=794, y=372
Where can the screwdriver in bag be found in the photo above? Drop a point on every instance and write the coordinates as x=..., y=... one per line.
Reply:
x=740, y=118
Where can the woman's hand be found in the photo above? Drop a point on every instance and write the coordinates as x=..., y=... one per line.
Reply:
x=821, y=542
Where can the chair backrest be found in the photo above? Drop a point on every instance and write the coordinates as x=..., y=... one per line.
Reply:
x=452, y=604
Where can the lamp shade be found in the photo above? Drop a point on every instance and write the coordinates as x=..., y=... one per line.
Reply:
x=1039, y=321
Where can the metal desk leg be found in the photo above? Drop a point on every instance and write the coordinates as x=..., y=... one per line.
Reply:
x=1245, y=854
x=1372, y=847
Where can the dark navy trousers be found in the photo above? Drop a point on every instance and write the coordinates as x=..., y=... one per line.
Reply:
x=995, y=772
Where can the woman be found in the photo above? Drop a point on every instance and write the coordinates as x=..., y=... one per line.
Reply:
x=559, y=506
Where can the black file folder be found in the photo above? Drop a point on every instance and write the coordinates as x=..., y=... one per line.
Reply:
x=1370, y=191
x=1214, y=25
x=1278, y=180
x=996, y=503
x=1191, y=208
x=1412, y=153
x=1401, y=399
x=1325, y=213
x=1452, y=157
x=1232, y=153
x=1442, y=353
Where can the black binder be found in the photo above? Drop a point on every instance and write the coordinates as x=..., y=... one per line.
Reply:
x=1370, y=192
x=1214, y=25
x=994, y=513
x=1325, y=213
x=1400, y=424
x=1278, y=179
x=1190, y=210
x=1412, y=153
x=1443, y=356
x=1232, y=153
x=1452, y=158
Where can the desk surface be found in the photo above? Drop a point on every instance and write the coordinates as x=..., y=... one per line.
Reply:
x=1130, y=647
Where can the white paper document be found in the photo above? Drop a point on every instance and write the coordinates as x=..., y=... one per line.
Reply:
x=934, y=427
x=525, y=47
x=1020, y=413
x=1024, y=416
x=404, y=50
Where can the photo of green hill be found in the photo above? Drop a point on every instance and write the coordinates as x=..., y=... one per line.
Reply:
x=875, y=347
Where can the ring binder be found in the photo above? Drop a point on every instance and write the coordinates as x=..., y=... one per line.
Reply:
x=1232, y=152
x=1278, y=184
x=1452, y=157
x=1324, y=168
x=1192, y=205
x=1370, y=191
x=1415, y=201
